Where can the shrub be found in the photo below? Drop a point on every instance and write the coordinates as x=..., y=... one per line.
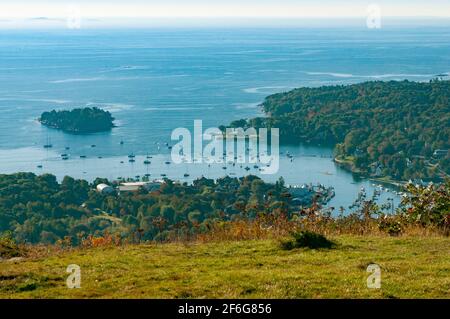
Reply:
x=8, y=247
x=428, y=205
x=391, y=225
x=307, y=239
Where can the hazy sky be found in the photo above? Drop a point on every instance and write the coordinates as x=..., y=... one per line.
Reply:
x=20, y=11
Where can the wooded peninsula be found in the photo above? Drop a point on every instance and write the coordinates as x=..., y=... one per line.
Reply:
x=398, y=129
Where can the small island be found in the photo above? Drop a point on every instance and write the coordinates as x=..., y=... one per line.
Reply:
x=79, y=120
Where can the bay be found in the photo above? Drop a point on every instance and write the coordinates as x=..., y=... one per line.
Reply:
x=156, y=80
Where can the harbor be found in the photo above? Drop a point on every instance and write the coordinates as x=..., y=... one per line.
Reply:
x=296, y=169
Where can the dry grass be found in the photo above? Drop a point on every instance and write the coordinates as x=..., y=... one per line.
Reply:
x=282, y=227
x=411, y=267
x=242, y=259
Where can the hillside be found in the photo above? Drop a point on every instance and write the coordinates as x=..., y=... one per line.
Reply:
x=397, y=129
x=410, y=267
x=39, y=209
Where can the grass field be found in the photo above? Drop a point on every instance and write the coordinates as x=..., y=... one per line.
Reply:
x=411, y=267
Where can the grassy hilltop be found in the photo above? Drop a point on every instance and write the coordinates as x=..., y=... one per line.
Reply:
x=411, y=267
x=273, y=255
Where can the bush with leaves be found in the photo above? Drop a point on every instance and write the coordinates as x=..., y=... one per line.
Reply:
x=392, y=225
x=428, y=205
x=307, y=239
x=8, y=246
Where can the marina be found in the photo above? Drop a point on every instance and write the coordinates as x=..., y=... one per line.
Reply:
x=302, y=171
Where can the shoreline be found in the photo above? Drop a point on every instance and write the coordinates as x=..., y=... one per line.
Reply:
x=348, y=165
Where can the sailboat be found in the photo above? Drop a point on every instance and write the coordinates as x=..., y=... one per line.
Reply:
x=147, y=161
x=49, y=144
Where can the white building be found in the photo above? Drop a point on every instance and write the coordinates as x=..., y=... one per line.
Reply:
x=105, y=189
x=440, y=153
x=135, y=186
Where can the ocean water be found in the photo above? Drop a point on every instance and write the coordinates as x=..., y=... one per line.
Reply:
x=156, y=80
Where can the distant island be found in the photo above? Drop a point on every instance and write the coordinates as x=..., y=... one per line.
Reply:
x=396, y=130
x=79, y=120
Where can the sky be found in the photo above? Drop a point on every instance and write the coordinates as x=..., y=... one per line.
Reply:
x=42, y=12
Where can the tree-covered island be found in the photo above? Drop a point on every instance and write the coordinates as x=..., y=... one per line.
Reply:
x=79, y=120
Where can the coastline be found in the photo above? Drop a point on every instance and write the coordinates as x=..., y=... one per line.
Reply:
x=75, y=132
x=348, y=165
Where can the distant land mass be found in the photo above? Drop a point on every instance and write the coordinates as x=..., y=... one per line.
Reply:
x=79, y=120
x=396, y=130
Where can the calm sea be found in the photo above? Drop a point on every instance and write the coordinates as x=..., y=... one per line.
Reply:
x=156, y=80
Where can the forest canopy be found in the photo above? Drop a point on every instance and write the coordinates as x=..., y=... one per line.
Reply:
x=39, y=209
x=80, y=120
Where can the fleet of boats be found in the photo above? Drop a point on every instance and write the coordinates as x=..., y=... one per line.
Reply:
x=326, y=193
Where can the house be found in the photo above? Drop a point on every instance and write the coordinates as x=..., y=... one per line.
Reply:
x=358, y=152
x=136, y=186
x=129, y=188
x=440, y=153
x=376, y=169
x=105, y=189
